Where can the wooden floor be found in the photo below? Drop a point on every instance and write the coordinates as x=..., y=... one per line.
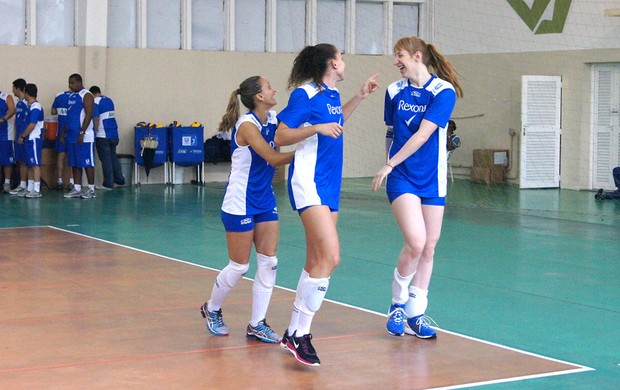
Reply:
x=80, y=313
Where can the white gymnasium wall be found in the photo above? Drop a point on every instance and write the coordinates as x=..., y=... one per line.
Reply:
x=165, y=85
x=492, y=47
x=493, y=26
x=485, y=39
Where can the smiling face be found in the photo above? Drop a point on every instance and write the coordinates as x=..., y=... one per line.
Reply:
x=406, y=63
x=268, y=93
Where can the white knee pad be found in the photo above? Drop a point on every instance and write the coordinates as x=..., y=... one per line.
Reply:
x=231, y=274
x=266, y=270
x=313, y=293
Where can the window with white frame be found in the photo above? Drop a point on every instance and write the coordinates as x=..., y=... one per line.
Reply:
x=250, y=16
x=12, y=22
x=122, y=23
x=369, y=30
x=355, y=26
x=208, y=27
x=55, y=22
x=406, y=21
x=330, y=22
x=290, y=25
x=163, y=24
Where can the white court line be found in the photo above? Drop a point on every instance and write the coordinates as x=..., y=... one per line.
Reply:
x=579, y=367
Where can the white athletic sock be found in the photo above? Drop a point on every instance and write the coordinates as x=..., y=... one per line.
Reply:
x=22, y=184
x=400, y=284
x=78, y=187
x=37, y=186
x=266, y=270
x=313, y=294
x=30, y=185
x=292, y=327
x=260, y=304
x=7, y=181
x=417, y=302
x=225, y=281
x=305, y=322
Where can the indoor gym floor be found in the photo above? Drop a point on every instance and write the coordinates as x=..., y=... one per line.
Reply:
x=104, y=293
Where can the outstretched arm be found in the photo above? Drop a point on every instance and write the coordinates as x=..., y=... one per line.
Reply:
x=289, y=136
x=248, y=134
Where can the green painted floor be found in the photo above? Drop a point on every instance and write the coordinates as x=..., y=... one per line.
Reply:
x=536, y=270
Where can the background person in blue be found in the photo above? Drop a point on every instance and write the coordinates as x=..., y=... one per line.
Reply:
x=31, y=142
x=106, y=139
x=249, y=211
x=60, y=107
x=7, y=138
x=21, y=122
x=418, y=107
x=314, y=119
x=80, y=138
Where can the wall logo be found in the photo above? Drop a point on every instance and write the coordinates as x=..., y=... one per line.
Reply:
x=533, y=16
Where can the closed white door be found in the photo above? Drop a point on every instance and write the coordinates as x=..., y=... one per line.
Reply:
x=541, y=107
x=606, y=126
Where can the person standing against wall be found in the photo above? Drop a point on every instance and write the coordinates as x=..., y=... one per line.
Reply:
x=80, y=138
x=249, y=210
x=314, y=119
x=31, y=142
x=59, y=108
x=21, y=122
x=7, y=137
x=106, y=139
x=418, y=107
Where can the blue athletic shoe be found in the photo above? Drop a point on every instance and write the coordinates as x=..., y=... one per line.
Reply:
x=215, y=321
x=262, y=332
x=419, y=326
x=396, y=320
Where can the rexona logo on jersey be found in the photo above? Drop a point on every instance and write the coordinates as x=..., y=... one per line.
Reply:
x=533, y=16
x=334, y=110
x=404, y=106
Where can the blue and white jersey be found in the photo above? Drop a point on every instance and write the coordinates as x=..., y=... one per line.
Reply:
x=315, y=174
x=249, y=190
x=21, y=117
x=75, y=118
x=7, y=131
x=61, y=104
x=405, y=107
x=104, y=109
x=36, y=116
